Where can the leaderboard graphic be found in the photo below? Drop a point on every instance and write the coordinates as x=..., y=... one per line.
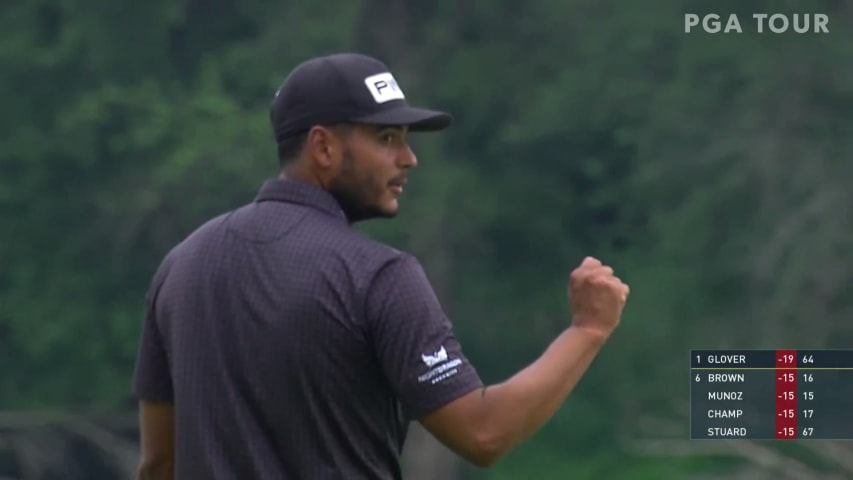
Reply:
x=771, y=394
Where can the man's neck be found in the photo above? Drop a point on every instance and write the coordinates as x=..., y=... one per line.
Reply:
x=295, y=172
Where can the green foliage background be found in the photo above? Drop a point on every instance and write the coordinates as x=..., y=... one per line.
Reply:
x=711, y=170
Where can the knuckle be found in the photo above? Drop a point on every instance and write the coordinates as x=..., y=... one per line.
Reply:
x=591, y=261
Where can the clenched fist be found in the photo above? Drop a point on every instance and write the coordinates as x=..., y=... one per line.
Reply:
x=596, y=297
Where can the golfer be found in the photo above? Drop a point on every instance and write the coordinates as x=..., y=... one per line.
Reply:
x=280, y=344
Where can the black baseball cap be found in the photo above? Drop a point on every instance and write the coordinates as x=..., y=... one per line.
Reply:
x=346, y=88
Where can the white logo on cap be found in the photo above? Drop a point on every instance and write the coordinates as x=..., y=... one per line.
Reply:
x=383, y=87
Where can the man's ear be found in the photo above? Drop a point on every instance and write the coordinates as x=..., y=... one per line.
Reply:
x=323, y=147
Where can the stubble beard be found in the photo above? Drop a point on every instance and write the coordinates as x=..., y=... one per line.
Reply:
x=357, y=192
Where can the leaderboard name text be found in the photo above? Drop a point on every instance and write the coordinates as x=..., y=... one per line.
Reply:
x=771, y=394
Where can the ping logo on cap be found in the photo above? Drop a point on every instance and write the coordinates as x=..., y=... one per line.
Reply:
x=383, y=87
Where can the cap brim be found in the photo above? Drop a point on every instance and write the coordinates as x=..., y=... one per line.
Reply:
x=417, y=119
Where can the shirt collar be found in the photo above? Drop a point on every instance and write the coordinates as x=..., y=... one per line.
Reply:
x=301, y=193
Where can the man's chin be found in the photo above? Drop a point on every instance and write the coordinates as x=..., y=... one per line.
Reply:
x=388, y=212
x=377, y=212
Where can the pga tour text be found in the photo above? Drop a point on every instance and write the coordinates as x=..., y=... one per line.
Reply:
x=758, y=22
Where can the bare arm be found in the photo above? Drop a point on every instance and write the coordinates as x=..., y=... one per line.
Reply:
x=483, y=425
x=152, y=385
x=435, y=383
x=157, y=431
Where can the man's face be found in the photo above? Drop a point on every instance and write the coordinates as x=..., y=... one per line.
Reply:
x=370, y=176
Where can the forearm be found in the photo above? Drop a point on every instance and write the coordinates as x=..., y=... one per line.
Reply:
x=485, y=424
x=519, y=407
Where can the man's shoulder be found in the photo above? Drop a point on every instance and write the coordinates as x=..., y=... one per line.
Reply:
x=332, y=235
x=187, y=244
x=360, y=247
x=201, y=233
x=366, y=255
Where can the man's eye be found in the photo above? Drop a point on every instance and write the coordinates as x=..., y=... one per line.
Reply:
x=388, y=138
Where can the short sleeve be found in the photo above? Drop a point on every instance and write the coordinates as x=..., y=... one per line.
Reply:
x=152, y=377
x=414, y=340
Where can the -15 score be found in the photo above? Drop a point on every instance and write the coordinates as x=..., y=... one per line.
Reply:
x=792, y=395
x=790, y=377
x=791, y=413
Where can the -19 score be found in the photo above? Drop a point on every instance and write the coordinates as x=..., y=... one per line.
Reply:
x=788, y=358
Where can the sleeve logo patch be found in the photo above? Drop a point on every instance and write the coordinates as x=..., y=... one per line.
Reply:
x=435, y=358
x=440, y=367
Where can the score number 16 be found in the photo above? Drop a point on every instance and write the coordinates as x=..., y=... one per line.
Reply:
x=790, y=377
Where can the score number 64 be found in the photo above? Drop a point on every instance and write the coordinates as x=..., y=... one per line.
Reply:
x=789, y=358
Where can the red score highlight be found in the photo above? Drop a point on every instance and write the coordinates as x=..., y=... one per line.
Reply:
x=786, y=394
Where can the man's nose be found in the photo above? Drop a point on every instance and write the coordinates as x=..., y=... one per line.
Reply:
x=408, y=159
